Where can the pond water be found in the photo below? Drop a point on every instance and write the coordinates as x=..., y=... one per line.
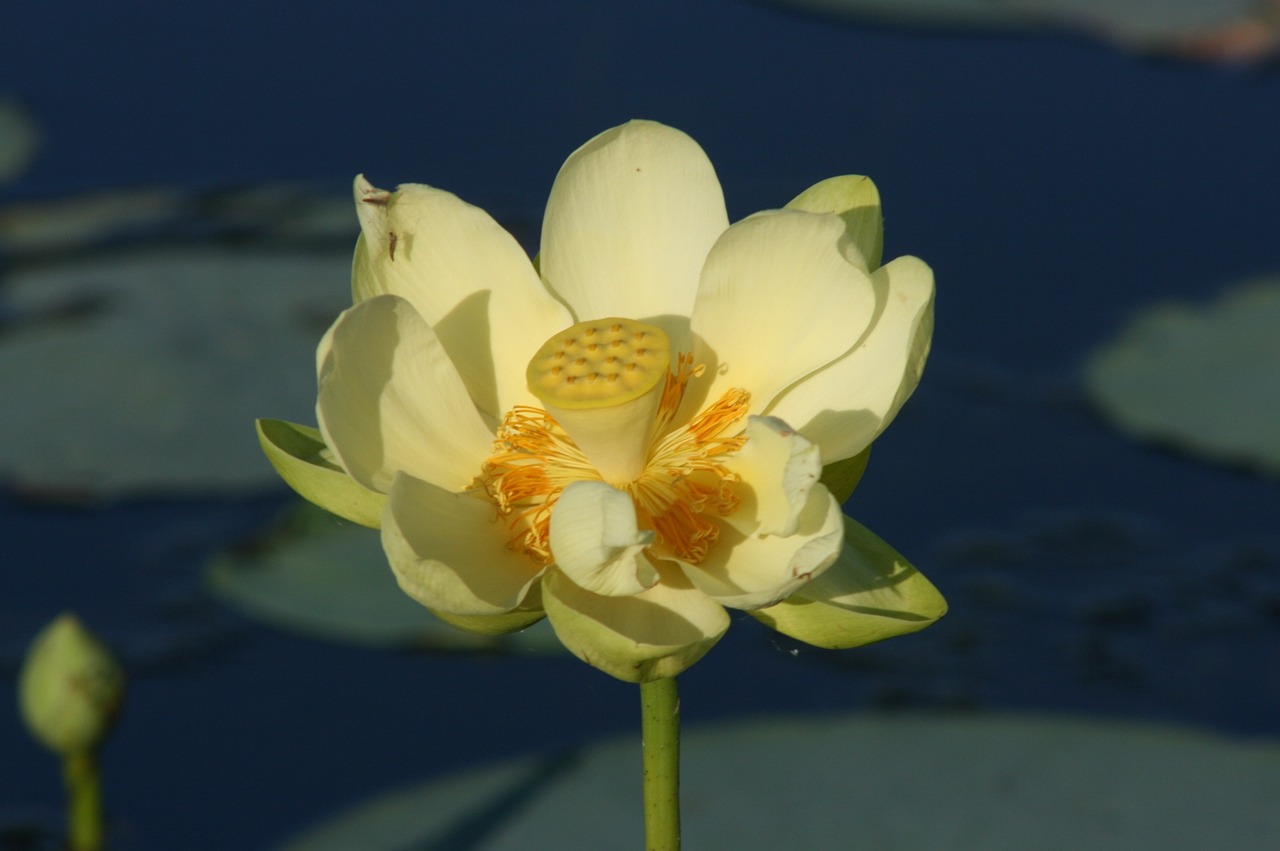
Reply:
x=1055, y=184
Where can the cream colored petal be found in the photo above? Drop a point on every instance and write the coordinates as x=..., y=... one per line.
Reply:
x=777, y=468
x=391, y=400
x=449, y=552
x=856, y=200
x=498, y=624
x=848, y=403
x=777, y=301
x=630, y=220
x=654, y=634
x=595, y=541
x=466, y=276
x=747, y=571
x=869, y=594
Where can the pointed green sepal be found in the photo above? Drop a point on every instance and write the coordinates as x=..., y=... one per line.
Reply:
x=842, y=477
x=300, y=457
x=855, y=199
x=871, y=593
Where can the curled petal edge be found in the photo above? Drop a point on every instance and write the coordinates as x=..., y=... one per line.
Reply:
x=597, y=543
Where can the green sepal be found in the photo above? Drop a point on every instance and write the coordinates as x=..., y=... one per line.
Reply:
x=855, y=199
x=842, y=477
x=298, y=454
x=871, y=593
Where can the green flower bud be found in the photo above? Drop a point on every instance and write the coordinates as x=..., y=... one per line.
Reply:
x=70, y=688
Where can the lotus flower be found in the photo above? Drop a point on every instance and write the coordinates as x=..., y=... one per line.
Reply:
x=655, y=419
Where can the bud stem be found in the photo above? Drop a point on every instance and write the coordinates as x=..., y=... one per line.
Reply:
x=84, y=801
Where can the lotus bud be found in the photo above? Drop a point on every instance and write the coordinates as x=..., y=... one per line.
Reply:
x=70, y=688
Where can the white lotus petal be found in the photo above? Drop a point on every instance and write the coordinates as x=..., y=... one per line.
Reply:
x=391, y=400
x=449, y=551
x=596, y=543
x=647, y=636
x=466, y=276
x=849, y=402
x=777, y=468
x=748, y=571
x=629, y=222
x=777, y=300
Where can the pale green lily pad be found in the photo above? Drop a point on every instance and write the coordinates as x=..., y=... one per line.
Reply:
x=19, y=139
x=1203, y=379
x=329, y=579
x=287, y=212
x=142, y=372
x=998, y=783
x=1131, y=21
x=281, y=214
x=66, y=224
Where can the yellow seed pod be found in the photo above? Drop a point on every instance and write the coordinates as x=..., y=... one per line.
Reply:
x=599, y=364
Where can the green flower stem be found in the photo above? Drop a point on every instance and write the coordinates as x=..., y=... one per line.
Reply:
x=84, y=801
x=660, y=731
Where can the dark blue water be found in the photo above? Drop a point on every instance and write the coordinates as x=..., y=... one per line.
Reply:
x=1054, y=184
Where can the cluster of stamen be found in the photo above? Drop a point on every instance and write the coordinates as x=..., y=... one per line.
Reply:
x=533, y=461
x=683, y=484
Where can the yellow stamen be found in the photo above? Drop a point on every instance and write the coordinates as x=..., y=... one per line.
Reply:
x=684, y=481
x=679, y=485
x=533, y=461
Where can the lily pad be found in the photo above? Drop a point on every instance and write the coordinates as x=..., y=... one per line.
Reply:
x=285, y=212
x=19, y=139
x=328, y=579
x=1138, y=23
x=296, y=215
x=141, y=373
x=1203, y=379
x=67, y=224
x=939, y=782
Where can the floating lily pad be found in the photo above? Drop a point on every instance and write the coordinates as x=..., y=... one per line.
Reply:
x=1204, y=379
x=68, y=224
x=141, y=373
x=999, y=783
x=329, y=579
x=284, y=212
x=1136, y=22
x=19, y=139
x=281, y=214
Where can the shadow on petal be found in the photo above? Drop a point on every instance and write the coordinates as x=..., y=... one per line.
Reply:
x=657, y=633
